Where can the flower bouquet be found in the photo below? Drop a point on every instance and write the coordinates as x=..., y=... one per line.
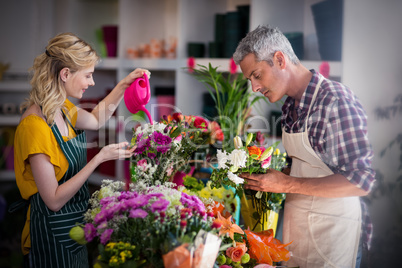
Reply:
x=247, y=248
x=149, y=226
x=257, y=207
x=165, y=147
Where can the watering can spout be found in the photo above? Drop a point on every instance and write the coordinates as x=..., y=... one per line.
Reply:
x=137, y=95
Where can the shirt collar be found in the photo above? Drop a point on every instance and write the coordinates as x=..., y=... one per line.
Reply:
x=307, y=96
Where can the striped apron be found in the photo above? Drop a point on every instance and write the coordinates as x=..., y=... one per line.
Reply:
x=51, y=245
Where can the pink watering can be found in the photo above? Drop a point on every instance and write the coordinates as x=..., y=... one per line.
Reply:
x=137, y=95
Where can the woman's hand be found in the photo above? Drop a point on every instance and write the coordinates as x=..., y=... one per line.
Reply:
x=129, y=79
x=116, y=151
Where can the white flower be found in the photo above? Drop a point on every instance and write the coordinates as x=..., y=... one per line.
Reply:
x=237, y=142
x=238, y=158
x=222, y=159
x=160, y=127
x=236, y=179
x=148, y=128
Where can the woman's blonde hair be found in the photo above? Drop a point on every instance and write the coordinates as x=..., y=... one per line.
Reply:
x=63, y=50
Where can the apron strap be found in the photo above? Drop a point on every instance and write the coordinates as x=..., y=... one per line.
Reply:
x=316, y=89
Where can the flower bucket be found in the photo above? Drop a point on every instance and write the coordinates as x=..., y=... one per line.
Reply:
x=268, y=220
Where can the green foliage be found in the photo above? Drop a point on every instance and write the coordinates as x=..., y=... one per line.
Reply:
x=233, y=99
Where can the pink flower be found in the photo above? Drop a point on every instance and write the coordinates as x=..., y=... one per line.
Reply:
x=266, y=162
x=259, y=138
x=105, y=236
x=178, y=178
x=324, y=69
x=233, y=66
x=235, y=253
x=142, y=163
x=178, y=138
x=200, y=122
x=191, y=64
x=89, y=231
x=138, y=213
x=216, y=132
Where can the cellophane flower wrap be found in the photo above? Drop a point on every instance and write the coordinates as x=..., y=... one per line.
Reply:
x=138, y=227
x=166, y=147
x=250, y=158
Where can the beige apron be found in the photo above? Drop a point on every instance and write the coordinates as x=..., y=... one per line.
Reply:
x=325, y=231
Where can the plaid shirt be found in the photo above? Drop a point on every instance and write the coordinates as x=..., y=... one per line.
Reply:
x=337, y=128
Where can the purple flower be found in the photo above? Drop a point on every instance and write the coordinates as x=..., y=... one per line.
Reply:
x=162, y=149
x=89, y=232
x=159, y=205
x=142, y=145
x=101, y=216
x=106, y=200
x=105, y=236
x=115, y=208
x=151, y=155
x=102, y=225
x=127, y=195
x=138, y=213
x=138, y=201
x=161, y=139
x=192, y=202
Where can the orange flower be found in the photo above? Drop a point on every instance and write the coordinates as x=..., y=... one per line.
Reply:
x=265, y=248
x=254, y=150
x=228, y=227
x=235, y=253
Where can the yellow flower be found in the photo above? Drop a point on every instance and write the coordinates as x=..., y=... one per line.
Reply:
x=205, y=193
x=218, y=193
x=110, y=245
x=113, y=260
x=123, y=256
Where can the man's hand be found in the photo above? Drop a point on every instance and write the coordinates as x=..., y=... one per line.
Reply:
x=273, y=181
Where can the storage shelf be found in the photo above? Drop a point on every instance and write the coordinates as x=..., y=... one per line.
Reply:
x=9, y=120
x=96, y=178
x=335, y=67
x=154, y=64
x=15, y=86
x=108, y=64
x=7, y=175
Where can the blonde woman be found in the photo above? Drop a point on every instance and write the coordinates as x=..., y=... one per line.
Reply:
x=51, y=167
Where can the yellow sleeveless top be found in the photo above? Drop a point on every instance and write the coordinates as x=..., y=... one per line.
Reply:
x=34, y=136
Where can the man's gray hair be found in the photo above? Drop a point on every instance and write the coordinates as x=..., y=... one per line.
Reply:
x=263, y=42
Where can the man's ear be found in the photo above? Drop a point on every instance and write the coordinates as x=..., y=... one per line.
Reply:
x=279, y=59
x=64, y=73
